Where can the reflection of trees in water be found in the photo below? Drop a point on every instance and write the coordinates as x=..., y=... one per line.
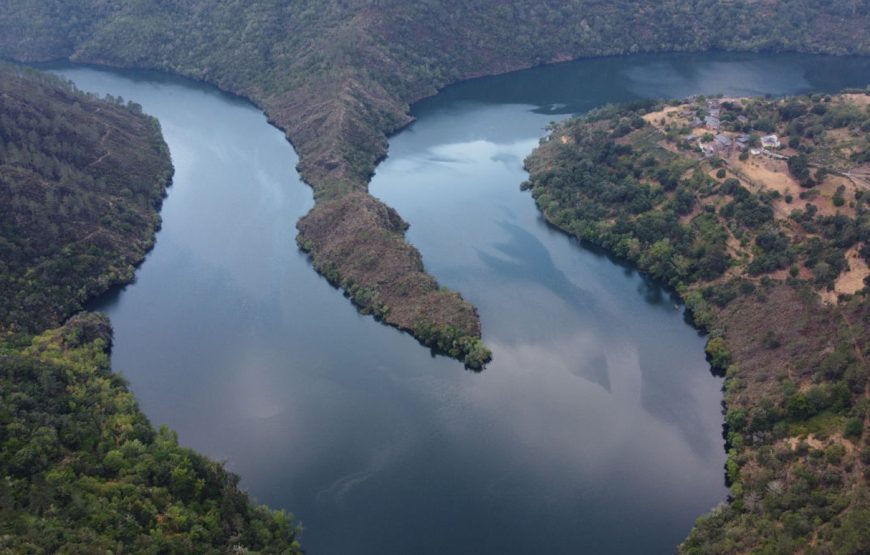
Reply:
x=664, y=393
x=529, y=261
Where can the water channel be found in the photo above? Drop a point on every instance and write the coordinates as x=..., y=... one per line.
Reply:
x=596, y=428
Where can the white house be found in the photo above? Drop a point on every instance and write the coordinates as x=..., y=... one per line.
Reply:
x=770, y=141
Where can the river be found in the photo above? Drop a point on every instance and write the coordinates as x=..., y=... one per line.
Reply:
x=596, y=428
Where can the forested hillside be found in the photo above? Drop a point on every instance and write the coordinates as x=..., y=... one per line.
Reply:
x=338, y=76
x=81, y=468
x=80, y=184
x=758, y=213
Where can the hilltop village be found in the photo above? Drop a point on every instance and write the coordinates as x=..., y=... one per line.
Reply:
x=795, y=163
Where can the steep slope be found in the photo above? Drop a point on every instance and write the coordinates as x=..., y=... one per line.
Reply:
x=83, y=471
x=338, y=77
x=80, y=185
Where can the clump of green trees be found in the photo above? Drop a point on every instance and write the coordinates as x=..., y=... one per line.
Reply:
x=445, y=339
x=83, y=470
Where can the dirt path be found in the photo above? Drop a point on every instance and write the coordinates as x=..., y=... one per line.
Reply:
x=102, y=146
x=860, y=177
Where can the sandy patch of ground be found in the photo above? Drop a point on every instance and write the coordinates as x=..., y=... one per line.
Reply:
x=861, y=176
x=811, y=440
x=670, y=147
x=768, y=173
x=839, y=135
x=852, y=280
x=655, y=118
x=735, y=248
x=760, y=173
x=857, y=99
x=712, y=174
x=838, y=438
x=825, y=201
x=781, y=275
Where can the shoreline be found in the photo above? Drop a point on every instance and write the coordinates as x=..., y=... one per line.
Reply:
x=767, y=333
x=418, y=321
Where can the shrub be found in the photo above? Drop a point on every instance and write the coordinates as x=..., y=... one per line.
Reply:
x=854, y=428
x=718, y=354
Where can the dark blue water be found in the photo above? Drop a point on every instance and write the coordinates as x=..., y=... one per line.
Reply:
x=597, y=428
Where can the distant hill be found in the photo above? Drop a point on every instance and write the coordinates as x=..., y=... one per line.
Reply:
x=81, y=468
x=338, y=76
x=758, y=212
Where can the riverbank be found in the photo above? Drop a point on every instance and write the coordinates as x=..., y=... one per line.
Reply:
x=340, y=78
x=248, y=346
x=82, y=180
x=666, y=186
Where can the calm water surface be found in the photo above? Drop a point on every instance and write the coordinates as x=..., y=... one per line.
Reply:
x=597, y=427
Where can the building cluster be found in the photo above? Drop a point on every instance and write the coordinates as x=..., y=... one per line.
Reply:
x=723, y=142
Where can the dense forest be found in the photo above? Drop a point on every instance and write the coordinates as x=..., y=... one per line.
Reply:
x=338, y=77
x=758, y=213
x=81, y=468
